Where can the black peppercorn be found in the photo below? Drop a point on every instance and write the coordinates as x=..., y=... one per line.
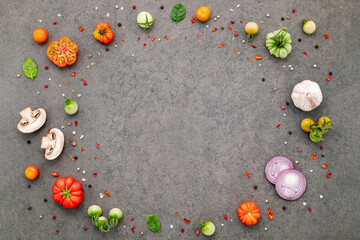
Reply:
x=161, y=7
x=290, y=132
x=90, y=186
x=299, y=39
x=119, y=24
x=287, y=103
x=29, y=208
x=45, y=199
x=322, y=155
x=330, y=73
x=255, y=187
x=263, y=79
x=107, y=49
x=222, y=28
x=28, y=141
x=284, y=207
x=75, y=157
x=29, y=186
x=282, y=19
x=316, y=46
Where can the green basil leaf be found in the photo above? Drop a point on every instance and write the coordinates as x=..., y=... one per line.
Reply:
x=153, y=223
x=178, y=12
x=30, y=68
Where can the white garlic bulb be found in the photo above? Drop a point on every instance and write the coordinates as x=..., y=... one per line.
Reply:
x=307, y=95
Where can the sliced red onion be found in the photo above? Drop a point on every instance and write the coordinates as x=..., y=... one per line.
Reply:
x=275, y=166
x=290, y=184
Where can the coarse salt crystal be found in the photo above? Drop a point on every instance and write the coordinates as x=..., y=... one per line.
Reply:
x=102, y=195
x=231, y=9
x=311, y=170
x=37, y=93
x=321, y=196
x=59, y=15
x=238, y=5
x=83, y=171
x=83, y=179
x=79, y=95
x=171, y=226
x=304, y=203
x=82, y=136
x=95, y=8
x=222, y=224
x=73, y=132
x=122, y=8
x=108, y=14
x=40, y=20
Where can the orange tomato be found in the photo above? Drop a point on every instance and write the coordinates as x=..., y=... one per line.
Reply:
x=40, y=35
x=306, y=123
x=203, y=14
x=31, y=172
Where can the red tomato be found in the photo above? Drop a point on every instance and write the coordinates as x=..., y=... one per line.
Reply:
x=67, y=192
x=103, y=33
x=62, y=52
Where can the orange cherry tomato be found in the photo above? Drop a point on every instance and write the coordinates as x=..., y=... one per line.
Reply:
x=203, y=14
x=103, y=33
x=40, y=35
x=306, y=123
x=62, y=52
x=31, y=172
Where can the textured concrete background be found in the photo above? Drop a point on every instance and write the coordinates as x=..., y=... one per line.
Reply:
x=180, y=122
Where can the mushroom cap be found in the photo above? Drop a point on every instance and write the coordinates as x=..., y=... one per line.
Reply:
x=31, y=120
x=307, y=95
x=53, y=143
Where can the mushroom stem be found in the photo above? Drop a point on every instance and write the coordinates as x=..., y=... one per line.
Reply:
x=27, y=115
x=48, y=142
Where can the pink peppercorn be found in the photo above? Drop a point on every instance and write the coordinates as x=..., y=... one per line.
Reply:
x=283, y=107
x=225, y=216
x=85, y=228
x=182, y=230
x=54, y=217
x=85, y=82
x=54, y=22
x=45, y=86
x=197, y=232
x=134, y=7
x=46, y=67
x=57, y=231
x=321, y=147
x=236, y=34
x=294, y=10
x=309, y=209
x=232, y=21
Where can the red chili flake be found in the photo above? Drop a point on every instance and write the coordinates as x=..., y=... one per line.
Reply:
x=225, y=216
x=97, y=146
x=134, y=7
x=253, y=46
x=214, y=29
x=68, y=82
x=329, y=175
x=236, y=34
x=325, y=166
x=46, y=67
x=149, y=36
x=326, y=36
x=138, y=39
x=321, y=147
x=309, y=208
x=153, y=39
x=85, y=228
x=270, y=213
x=95, y=157
x=304, y=53
x=329, y=79
x=95, y=174
x=81, y=29
x=57, y=231
x=232, y=21
x=193, y=20
x=55, y=174
x=197, y=35
x=294, y=10
x=54, y=22
x=132, y=219
x=248, y=174
x=314, y=156
x=107, y=193
x=76, y=123
x=283, y=107
x=123, y=39
x=278, y=126
x=241, y=21
x=221, y=45
x=182, y=230
x=166, y=37
x=237, y=51
x=230, y=28
x=54, y=217
x=250, y=59
x=144, y=44
x=82, y=149
x=258, y=57
x=69, y=124
x=197, y=232
x=176, y=213
x=133, y=228
x=186, y=221
x=72, y=158
x=73, y=74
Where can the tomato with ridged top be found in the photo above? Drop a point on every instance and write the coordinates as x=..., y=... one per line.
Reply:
x=67, y=192
x=62, y=52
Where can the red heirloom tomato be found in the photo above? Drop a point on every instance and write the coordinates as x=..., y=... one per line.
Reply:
x=103, y=33
x=62, y=52
x=67, y=192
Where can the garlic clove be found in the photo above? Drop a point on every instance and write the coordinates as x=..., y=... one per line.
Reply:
x=307, y=95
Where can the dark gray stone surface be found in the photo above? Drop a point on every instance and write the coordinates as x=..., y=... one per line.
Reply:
x=180, y=122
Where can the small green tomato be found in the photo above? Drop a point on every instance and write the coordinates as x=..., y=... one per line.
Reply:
x=145, y=20
x=115, y=215
x=102, y=224
x=94, y=211
x=309, y=26
x=71, y=107
x=207, y=228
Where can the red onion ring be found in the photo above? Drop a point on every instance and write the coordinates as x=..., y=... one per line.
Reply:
x=290, y=184
x=275, y=166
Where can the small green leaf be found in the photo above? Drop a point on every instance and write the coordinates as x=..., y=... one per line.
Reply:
x=178, y=12
x=30, y=68
x=153, y=223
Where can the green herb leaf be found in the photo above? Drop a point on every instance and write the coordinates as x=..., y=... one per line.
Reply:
x=153, y=223
x=30, y=68
x=178, y=12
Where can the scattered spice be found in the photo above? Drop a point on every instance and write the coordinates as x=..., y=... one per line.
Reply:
x=107, y=193
x=304, y=53
x=182, y=230
x=176, y=213
x=314, y=156
x=197, y=232
x=329, y=79
x=72, y=159
x=133, y=228
x=309, y=208
x=119, y=24
x=236, y=34
x=282, y=107
x=248, y=174
x=294, y=10
x=46, y=67
x=330, y=73
x=166, y=37
x=255, y=187
x=232, y=21
x=73, y=74
x=326, y=36
x=132, y=219
x=28, y=141
x=107, y=49
x=97, y=146
x=299, y=40
x=134, y=7
x=85, y=228
x=193, y=20
x=82, y=149
x=45, y=199
x=54, y=217
x=214, y=29
x=253, y=46
x=186, y=221
x=316, y=46
x=76, y=123
x=161, y=7
x=250, y=59
x=258, y=57
x=282, y=18
x=329, y=175
x=222, y=28
x=81, y=29
x=230, y=28
x=237, y=51
x=263, y=79
x=278, y=126
x=270, y=213
x=89, y=185
x=284, y=207
x=57, y=231
x=29, y=208
x=325, y=166
x=221, y=45
x=290, y=132
x=55, y=174
x=225, y=216
x=95, y=174
x=123, y=39
x=321, y=147
x=45, y=86
x=54, y=22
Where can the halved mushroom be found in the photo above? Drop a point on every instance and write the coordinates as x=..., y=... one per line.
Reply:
x=31, y=120
x=53, y=143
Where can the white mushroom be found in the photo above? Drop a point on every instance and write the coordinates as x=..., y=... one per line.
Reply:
x=307, y=95
x=53, y=143
x=31, y=120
